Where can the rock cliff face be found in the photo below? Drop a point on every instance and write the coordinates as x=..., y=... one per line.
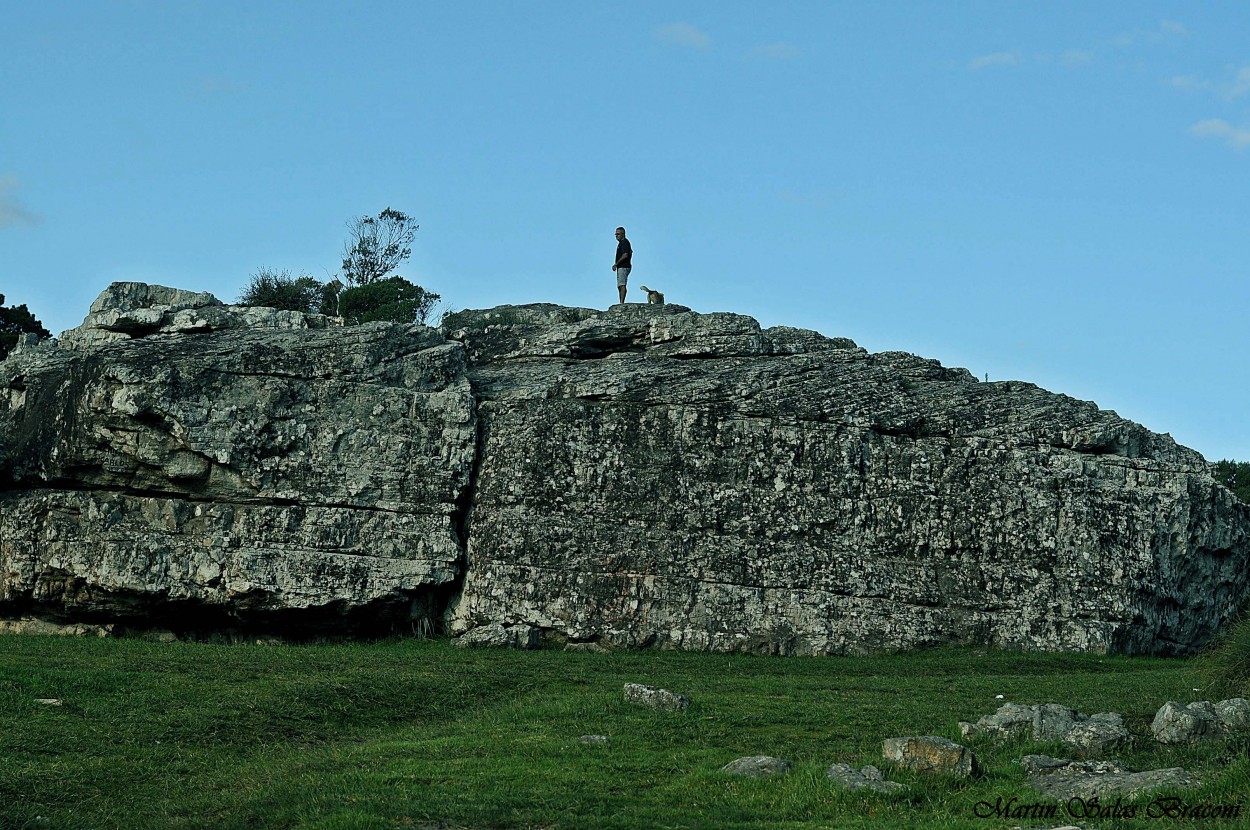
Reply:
x=641, y=476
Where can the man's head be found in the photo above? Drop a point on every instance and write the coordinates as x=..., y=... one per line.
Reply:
x=620, y=233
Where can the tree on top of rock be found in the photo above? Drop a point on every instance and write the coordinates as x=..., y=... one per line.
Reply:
x=376, y=245
x=14, y=322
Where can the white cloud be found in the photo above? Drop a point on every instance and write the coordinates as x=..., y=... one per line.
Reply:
x=775, y=51
x=1189, y=83
x=1236, y=87
x=683, y=34
x=1076, y=57
x=1241, y=83
x=996, y=59
x=12, y=212
x=1167, y=29
x=1237, y=137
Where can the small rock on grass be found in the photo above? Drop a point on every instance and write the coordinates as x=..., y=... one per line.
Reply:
x=662, y=700
x=497, y=635
x=757, y=766
x=867, y=778
x=593, y=739
x=929, y=753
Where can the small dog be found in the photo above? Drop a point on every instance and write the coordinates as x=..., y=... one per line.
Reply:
x=654, y=297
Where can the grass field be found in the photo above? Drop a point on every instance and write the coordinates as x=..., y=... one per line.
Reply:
x=416, y=734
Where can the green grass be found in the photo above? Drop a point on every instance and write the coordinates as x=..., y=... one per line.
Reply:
x=419, y=734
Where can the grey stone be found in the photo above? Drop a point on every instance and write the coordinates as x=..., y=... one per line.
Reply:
x=130, y=310
x=1051, y=722
x=931, y=754
x=661, y=700
x=1044, y=764
x=1064, y=780
x=715, y=486
x=1234, y=715
x=594, y=739
x=1099, y=732
x=1201, y=721
x=496, y=635
x=591, y=648
x=246, y=472
x=1010, y=720
x=866, y=778
x=1177, y=724
x=644, y=476
x=29, y=625
x=757, y=766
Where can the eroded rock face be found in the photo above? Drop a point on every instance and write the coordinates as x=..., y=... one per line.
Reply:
x=233, y=472
x=641, y=476
x=651, y=476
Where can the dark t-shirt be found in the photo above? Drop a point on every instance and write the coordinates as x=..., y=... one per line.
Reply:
x=624, y=249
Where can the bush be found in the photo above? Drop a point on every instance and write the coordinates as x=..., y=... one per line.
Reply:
x=1224, y=668
x=394, y=299
x=15, y=322
x=278, y=289
x=1235, y=475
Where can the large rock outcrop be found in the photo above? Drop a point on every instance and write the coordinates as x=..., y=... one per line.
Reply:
x=641, y=476
x=232, y=472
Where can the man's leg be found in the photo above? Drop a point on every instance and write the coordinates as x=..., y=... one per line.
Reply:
x=620, y=289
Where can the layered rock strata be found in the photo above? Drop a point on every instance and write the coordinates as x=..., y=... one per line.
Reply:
x=650, y=476
x=641, y=476
x=232, y=473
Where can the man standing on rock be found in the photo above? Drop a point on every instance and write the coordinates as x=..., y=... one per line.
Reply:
x=624, y=261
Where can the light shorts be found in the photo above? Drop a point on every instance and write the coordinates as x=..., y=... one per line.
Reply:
x=622, y=276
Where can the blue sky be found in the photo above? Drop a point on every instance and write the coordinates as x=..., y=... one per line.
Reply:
x=1051, y=192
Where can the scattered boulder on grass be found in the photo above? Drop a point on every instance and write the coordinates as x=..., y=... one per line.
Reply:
x=757, y=766
x=1010, y=720
x=930, y=753
x=497, y=635
x=662, y=700
x=1201, y=721
x=1099, y=732
x=1051, y=722
x=867, y=778
x=1062, y=779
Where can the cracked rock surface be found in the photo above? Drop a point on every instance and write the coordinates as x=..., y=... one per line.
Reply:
x=234, y=471
x=650, y=476
x=641, y=476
